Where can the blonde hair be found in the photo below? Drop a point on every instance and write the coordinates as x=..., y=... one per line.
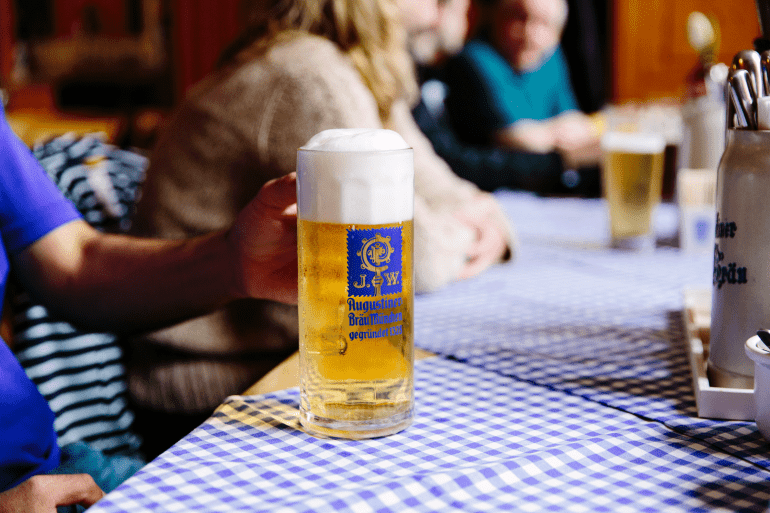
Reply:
x=368, y=31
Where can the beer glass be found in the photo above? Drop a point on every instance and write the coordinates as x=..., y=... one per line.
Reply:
x=355, y=196
x=632, y=177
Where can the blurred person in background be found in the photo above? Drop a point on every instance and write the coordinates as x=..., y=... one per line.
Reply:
x=489, y=167
x=299, y=67
x=510, y=85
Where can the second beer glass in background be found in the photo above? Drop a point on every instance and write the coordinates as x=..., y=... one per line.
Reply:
x=355, y=196
x=632, y=175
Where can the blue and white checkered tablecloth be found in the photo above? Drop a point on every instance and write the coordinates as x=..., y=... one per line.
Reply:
x=480, y=442
x=563, y=385
x=572, y=316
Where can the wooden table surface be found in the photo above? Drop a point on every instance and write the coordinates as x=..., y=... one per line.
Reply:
x=33, y=124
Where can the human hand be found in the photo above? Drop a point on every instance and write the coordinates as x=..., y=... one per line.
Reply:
x=42, y=493
x=583, y=156
x=490, y=244
x=578, y=139
x=264, y=241
x=535, y=136
x=574, y=130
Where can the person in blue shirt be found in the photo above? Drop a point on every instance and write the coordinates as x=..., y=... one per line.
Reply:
x=115, y=283
x=510, y=87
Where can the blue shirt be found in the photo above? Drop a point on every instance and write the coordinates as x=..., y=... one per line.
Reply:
x=487, y=94
x=30, y=207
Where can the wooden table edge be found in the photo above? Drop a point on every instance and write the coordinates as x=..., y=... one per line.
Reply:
x=286, y=374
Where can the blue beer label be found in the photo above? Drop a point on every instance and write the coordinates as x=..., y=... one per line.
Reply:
x=374, y=261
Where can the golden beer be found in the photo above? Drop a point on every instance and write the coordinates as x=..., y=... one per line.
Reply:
x=632, y=180
x=356, y=352
x=355, y=249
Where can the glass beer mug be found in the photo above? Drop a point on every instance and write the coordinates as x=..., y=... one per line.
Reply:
x=355, y=196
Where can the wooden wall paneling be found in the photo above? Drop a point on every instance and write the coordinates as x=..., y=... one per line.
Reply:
x=651, y=55
x=211, y=15
x=7, y=30
x=201, y=30
x=182, y=41
x=68, y=16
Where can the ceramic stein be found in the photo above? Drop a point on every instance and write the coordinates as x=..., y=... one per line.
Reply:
x=741, y=272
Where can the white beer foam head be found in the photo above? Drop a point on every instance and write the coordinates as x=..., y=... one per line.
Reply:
x=356, y=139
x=634, y=142
x=356, y=176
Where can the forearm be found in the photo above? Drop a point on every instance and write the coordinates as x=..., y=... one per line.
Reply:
x=488, y=167
x=119, y=283
x=528, y=135
x=441, y=247
x=493, y=168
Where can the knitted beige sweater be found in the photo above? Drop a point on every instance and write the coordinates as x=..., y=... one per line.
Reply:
x=238, y=129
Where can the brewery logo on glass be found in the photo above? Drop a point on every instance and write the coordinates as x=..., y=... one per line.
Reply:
x=374, y=261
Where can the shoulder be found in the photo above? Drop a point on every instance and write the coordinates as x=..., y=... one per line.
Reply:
x=307, y=53
x=556, y=64
x=30, y=204
x=297, y=61
x=478, y=49
x=300, y=84
x=311, y=73
x=480, y=55
x=479, y=62
x=302, y=64
x=553, y=73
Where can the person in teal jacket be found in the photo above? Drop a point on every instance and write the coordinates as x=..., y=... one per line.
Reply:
x=510, y=87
